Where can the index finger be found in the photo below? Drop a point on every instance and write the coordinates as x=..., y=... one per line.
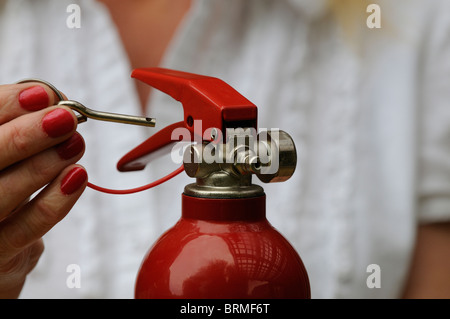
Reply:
x=20, y=99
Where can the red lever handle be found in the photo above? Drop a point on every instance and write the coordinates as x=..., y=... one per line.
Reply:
x=204, y=98
x=138, y=157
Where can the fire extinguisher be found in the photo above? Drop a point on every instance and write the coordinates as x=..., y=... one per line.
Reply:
x=222, y=246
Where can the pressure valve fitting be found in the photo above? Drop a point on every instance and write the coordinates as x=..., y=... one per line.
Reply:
x=225, y=169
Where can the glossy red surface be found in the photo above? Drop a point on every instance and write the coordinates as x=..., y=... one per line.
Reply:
x=203, y=97
x=58, y=122
x=206, y=99
x=34, y=98
x=222, y=248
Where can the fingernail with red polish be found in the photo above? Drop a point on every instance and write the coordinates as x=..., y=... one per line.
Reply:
x=70, y=148
x=34, y=98
x=58, y=122
x=73, y=181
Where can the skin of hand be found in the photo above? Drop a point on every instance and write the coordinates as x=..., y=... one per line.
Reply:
x=39, y=150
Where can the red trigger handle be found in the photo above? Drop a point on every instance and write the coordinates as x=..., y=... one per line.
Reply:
x=204, y=98
x=138, y=157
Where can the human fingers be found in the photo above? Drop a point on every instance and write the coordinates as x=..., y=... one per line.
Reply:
x=44, y=211
x=31, y=133
x=13, y=272
x=26, y=177
x=20, y=99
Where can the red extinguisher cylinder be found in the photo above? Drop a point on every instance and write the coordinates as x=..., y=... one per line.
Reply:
x=222, y=248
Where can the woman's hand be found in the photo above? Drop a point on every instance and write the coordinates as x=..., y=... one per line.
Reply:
x=38, y=149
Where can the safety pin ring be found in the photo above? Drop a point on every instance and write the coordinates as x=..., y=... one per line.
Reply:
x=85, y=113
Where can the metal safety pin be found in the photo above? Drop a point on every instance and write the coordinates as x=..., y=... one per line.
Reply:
x=85, y=113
